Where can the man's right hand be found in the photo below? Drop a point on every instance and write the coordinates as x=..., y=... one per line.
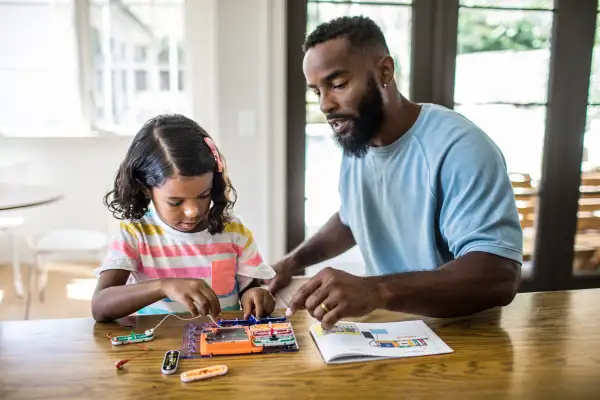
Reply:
x=330, y=241
x=190, y=292
x=283, y=277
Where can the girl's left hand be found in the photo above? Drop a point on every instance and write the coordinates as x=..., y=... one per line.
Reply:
x=257, y=301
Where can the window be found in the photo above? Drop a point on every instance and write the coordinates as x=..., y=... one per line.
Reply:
x=591, y=159
x=140, y=59
x=38, y=77
x=135, y=66
x=502, y=75
x=323, y=157
x=501, y=84
x=519, y=70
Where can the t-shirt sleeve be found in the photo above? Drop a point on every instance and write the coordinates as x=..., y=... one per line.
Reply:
x=250, y=264
x=478, y=209
x=122, y=250
x=343, y=212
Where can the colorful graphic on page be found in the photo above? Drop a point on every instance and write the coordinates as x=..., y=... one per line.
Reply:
x=343, y=329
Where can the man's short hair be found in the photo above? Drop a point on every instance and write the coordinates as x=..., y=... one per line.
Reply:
x=361, y=32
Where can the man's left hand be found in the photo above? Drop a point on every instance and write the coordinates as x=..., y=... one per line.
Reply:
x=333, y=294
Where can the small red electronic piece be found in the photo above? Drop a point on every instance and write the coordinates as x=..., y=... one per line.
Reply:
x=119, y=364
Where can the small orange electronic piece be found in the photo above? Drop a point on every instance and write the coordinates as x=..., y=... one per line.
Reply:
x=227, y=341
x=203, y=373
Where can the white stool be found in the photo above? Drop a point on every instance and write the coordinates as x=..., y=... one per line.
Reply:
x=65, y=241
x=6, y=225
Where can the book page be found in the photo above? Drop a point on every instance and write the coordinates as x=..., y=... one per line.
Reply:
x=350, y=341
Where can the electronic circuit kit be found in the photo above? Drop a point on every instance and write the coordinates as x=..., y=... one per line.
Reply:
x=237, y=337
x=216, y=338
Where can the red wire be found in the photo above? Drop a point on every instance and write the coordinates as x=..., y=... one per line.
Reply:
x=120, y=363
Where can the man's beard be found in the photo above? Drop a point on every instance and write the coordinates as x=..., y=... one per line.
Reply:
x=363, y=128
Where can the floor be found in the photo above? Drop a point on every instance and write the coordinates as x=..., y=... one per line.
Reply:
x=68, y=294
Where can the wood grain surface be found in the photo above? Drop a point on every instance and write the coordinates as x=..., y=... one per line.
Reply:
x=542, y=346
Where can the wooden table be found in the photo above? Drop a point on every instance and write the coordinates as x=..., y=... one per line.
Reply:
x=21, y=196
x=542, y=346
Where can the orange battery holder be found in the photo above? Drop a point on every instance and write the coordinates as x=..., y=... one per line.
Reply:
x=227, y=341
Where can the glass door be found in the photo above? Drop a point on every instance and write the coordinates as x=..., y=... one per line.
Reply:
x=586, y=258
x=501, y=84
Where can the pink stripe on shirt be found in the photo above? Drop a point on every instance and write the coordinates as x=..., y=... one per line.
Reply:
x=120, y=246
x=189, y=272
x=255, y=261
x=189, y=249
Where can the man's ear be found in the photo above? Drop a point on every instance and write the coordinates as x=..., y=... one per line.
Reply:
x=386, y=70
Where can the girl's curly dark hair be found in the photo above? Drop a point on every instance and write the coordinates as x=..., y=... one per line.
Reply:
x=167, y=144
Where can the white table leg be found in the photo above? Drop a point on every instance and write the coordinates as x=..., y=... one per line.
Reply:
x=42, y=277
x=17, y=278
x=28, y=298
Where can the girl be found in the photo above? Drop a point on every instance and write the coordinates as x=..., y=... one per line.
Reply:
x=179, y=247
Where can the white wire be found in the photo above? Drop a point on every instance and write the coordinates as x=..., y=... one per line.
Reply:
x=183, y=319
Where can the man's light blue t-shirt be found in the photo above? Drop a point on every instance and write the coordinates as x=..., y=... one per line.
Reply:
x=437, y=193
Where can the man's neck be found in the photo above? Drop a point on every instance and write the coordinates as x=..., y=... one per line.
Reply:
x=399, y=117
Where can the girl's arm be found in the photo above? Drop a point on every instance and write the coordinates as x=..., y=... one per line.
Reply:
x=113, y=299
x=251, y=269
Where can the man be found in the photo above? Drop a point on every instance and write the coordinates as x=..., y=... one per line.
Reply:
x=424, y=193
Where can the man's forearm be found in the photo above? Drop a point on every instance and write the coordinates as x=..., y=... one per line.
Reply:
x=333, y=239
x=473, y=283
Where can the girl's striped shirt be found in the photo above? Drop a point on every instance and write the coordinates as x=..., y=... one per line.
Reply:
x=151, y=249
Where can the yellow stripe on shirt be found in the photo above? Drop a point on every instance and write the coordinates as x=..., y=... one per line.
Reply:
x=235, y=227
x=147, y=229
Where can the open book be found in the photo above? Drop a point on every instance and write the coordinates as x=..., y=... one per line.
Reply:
x=353, y=341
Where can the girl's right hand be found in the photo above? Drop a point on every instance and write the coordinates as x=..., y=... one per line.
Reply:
x=190, y=292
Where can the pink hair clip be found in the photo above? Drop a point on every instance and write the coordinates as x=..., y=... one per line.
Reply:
x=213, y=149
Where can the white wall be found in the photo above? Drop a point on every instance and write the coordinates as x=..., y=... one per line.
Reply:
x=251, y=65
x=238, y=70
x=82, y=168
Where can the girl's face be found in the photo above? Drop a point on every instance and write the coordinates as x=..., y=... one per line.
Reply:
x=183, y=202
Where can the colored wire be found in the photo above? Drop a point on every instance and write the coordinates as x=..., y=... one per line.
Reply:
x=183, y=319
x=120, y=363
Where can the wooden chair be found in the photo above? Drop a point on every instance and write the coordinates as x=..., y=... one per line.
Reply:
x=590, y=179
x=526, y=198
x=520, y=180
x=588, y=219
